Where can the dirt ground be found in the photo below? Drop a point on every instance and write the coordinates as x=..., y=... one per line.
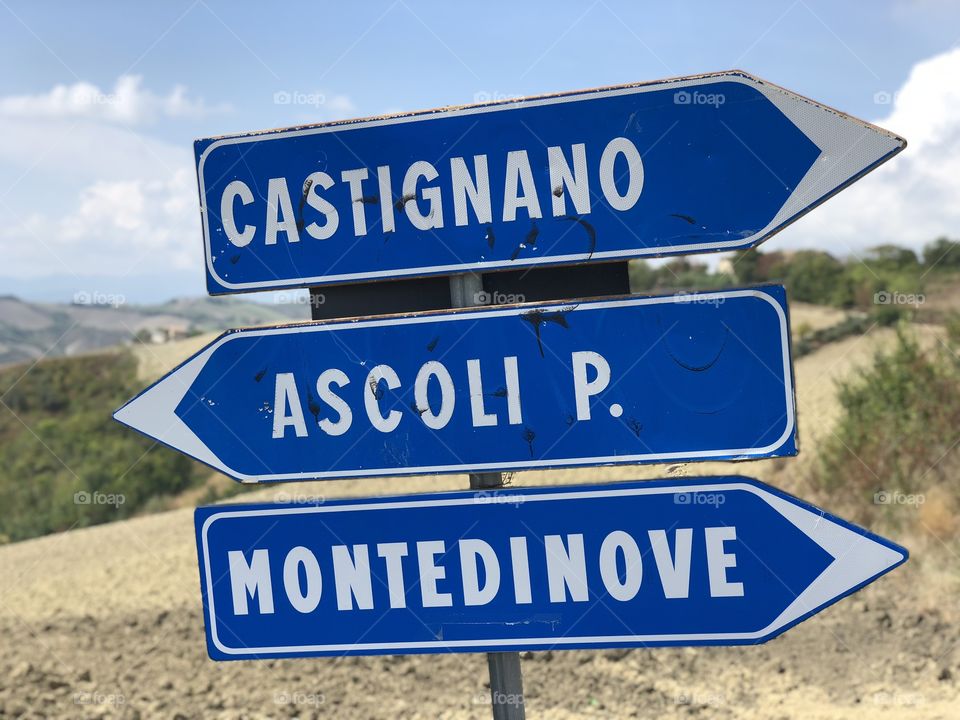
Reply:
x=106, y=622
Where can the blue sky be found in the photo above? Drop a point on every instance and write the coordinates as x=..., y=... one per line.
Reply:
x=100, y=103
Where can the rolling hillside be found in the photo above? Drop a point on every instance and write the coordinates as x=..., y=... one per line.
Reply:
x=29, y=331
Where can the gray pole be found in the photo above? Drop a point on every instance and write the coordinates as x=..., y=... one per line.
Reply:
x=506, y=679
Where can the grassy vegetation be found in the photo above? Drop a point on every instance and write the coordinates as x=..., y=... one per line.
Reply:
x=896, y=443
x=680, y=273
x=877, y=282
x=64, y=462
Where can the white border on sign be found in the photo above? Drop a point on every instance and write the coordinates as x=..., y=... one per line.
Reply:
x=857, y=559
x=848, y=145
x=180, y=437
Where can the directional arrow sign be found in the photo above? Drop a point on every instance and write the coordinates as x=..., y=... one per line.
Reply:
x=629, y=380
x=705, y=163
x=717, y=561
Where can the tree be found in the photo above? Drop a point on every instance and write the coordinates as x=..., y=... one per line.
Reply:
x=745, y=263
x=942, y=253
x=817, y=277
x=891, y=257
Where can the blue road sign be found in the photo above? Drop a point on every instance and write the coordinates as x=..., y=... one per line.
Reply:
x=627, y=380
x=706, y=163
x=716, y=561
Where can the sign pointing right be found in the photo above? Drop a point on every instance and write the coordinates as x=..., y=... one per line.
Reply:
x=697, y=164
x=713, y=561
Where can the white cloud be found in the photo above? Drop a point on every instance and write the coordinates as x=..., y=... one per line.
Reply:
x=913, y=198
x=128, y=103
x=299, y=107
x=85, y=191
x=121, y=228
x=341, y=106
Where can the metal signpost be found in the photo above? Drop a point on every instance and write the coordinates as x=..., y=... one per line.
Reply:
x=506, y=677
x=712, y=561
x=392, y=219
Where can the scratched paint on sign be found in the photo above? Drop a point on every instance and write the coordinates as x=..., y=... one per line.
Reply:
x=635, y=379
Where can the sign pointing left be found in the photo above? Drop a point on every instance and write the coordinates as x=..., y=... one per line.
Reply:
x=626, y=380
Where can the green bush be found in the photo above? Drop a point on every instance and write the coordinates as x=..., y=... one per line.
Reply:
x=942, y=254
x=676, y=274
x=899, y=426
x=814, y=276
x=60, y=447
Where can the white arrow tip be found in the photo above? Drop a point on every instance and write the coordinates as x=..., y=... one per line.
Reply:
x=153, y=412
x=857, y=559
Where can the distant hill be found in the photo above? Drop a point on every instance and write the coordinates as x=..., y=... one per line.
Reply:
x=32, y=330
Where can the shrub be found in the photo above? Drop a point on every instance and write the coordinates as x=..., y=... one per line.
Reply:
x=898, y=429
x=943, y=254
x=60, y=447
